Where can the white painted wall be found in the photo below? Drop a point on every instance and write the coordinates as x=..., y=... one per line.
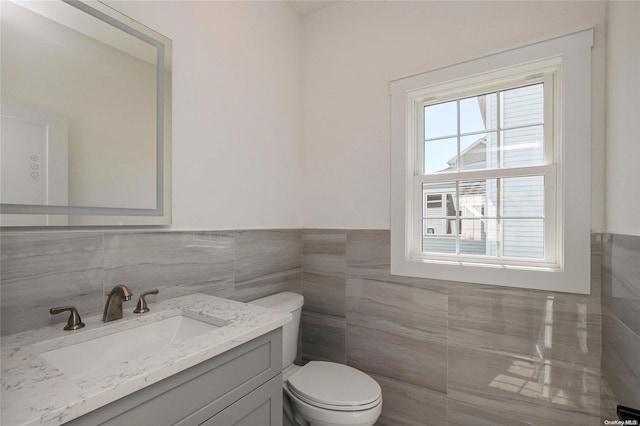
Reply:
x=255, y=148
x=623, y=112
x=351, y=52
x=237, y=84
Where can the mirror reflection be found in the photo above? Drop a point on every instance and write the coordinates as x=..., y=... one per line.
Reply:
x=80, y=109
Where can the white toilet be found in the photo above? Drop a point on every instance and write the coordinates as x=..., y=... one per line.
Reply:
x=321, y=393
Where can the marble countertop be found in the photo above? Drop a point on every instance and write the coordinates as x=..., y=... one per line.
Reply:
x=35, y=392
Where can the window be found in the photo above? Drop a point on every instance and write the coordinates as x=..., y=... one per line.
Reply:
x=490, y=166
x=486, y=172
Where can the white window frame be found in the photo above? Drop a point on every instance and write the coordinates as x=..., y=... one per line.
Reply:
x=563, y=64
x=546, y=72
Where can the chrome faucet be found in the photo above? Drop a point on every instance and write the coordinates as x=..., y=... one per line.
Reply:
x=113, y=308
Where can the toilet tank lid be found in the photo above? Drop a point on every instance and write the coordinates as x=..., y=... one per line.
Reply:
x=285, y=301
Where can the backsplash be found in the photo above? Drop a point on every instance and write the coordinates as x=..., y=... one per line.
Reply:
x=620, y=323
x=447, y=352
x=43, y=270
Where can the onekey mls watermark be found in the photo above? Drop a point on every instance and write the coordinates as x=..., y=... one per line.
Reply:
x=621, y=422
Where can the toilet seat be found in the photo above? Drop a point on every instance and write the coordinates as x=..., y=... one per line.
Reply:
x=330, y=407
x=335, y=387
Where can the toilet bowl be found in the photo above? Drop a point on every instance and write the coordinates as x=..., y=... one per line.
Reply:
x=321, y=393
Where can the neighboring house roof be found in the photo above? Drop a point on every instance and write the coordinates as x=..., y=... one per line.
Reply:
x=473, y=157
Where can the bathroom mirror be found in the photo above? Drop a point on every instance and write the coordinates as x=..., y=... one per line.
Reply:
x=86, y=114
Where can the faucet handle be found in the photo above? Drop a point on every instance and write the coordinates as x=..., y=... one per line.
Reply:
x=142, y=304
x=74, y=322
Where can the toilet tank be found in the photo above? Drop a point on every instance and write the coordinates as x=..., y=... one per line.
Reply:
x=286, y=302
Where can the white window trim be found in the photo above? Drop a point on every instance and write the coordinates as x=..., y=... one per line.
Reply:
x=572, y=126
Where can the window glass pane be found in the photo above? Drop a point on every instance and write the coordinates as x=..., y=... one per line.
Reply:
x=478, y=198
x=523, y=106
x=478, y=152
x=434, y=200
x=478, y=113
x=440, y=155
x=435, y=244
x=492, y=159
x=479, y=237
x=523, y=196
x=441, y=120
x=523, y=238
x=523, y=147
x=438, y=230
x=439, y=188
x=433, y=208
x=439, y=227
x=439, y=199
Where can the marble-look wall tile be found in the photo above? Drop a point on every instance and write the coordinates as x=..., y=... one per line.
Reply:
x=267, y=262
x=324, y=293
x=396, y=323
x=459, y=414
x=369, y=256
x=543, y=391
x=421, y=362
x=368, y=253
x=43, y=270
x=268, y=285
x=621, y=360
x=409, y=405
x=541, y=324
x=621, y=279
x=608, y=400
x=177, y=263
x=398, y=329
x=418, y=312
x=323, y=250
x=620, y=323
x=596, y=265
x=262, y=253
x=323, y=338
x=485, y=411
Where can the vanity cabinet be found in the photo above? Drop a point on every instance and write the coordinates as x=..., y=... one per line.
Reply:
x=241, y=387
x=261, y=407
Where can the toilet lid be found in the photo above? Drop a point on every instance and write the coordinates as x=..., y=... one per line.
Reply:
x=328, y=384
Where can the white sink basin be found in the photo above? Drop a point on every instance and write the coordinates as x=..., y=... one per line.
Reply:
x=113, y=352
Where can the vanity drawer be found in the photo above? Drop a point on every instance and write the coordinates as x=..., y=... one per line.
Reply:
x=198, y=393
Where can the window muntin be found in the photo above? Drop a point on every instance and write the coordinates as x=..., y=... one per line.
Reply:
x=494, y=130
x=501, y=218
x=484, y=161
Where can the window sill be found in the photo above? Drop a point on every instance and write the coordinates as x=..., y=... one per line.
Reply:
x=571, y=278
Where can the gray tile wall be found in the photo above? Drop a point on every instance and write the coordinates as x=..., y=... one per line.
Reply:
x=449, y=352
x=620, y=323
x=443, y=352
x=42, y=270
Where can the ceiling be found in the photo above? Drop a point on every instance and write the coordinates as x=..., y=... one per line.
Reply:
x=309, y=7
